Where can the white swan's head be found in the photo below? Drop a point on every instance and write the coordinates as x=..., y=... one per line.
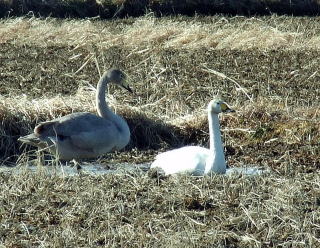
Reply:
x=116, y=76
x=218, y=106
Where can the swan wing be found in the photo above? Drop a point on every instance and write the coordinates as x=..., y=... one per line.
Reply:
x=81, y=131
x=70, y=124
x=99, y=141
x=188, y=159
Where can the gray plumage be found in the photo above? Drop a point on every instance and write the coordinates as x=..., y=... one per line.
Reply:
x=85, y=135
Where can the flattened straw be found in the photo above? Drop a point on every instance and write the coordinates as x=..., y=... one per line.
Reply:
x=97, y=65
x=230, y=79
x=84, y=64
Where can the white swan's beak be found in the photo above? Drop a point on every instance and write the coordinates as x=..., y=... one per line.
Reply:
x=226, y=109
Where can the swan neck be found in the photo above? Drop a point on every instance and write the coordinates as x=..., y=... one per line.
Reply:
x=102, y=106
x=214, y=131
x=105, y=112
x=216, y=159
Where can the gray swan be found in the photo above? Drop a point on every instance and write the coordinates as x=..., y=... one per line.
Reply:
x=85, y=135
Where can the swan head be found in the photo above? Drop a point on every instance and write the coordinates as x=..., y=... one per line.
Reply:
x=116, y=76
x=218, y=106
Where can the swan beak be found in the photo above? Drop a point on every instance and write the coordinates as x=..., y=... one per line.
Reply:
x=225, y=108
x=126, y=86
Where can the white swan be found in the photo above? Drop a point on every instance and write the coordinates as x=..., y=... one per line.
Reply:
x=85, y=135
x=197, y=160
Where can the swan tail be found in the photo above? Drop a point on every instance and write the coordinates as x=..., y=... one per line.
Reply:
x=31, y=139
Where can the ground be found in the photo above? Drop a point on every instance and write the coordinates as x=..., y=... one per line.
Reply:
x=266, y=68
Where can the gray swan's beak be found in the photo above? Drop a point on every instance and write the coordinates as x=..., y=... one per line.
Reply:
x=127, y=87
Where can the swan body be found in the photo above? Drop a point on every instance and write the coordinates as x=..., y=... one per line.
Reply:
x=187, y=159
x=85, y=135
x=197, y=160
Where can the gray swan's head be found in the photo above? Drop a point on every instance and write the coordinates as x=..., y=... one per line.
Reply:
x=218, y=106
x=116, y=76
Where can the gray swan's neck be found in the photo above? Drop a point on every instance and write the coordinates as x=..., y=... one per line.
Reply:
x=216, y=161
x=105, y=112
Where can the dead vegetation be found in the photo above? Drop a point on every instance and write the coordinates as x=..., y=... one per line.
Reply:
x=266, y=68
x=147, y=34
x=135, y=210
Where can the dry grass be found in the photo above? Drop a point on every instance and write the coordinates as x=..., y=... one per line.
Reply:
x=135, y=210
x=266, y=68
x=142, y=35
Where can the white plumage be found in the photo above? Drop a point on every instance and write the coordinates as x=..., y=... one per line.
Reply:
x=197, y=160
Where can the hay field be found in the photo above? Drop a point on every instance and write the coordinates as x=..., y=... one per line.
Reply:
x=267, y=68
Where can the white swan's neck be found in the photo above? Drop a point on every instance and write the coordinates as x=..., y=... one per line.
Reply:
x=216, y=160
x=105, y=112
